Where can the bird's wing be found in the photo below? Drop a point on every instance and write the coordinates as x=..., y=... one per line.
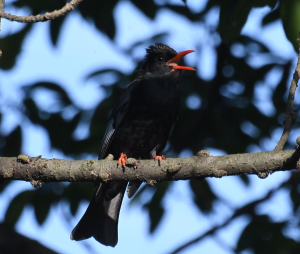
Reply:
x=117, y=115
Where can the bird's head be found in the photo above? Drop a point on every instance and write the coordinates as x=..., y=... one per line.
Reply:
x=162, y=60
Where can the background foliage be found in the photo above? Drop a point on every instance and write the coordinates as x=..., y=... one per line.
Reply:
x=234, y=111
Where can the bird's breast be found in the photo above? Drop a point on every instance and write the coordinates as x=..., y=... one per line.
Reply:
x=155, y=100
x=148, y=121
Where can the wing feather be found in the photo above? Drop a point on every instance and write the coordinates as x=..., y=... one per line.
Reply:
x=117, y=115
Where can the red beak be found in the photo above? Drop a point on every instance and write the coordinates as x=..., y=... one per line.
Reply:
x=173, y=61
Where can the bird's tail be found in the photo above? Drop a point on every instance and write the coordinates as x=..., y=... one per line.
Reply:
x=102, y=215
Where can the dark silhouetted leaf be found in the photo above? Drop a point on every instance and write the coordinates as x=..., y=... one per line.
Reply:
x=271, y=17
x=245, y=179
x=264, y=236
x=75, y=193
x=203, y=195
x=136, y=198
x=16, y=207
x=233, y=16
x=55, y=27
x=41, y=203
x=149, y=8
x=101, y=14
x=11, y=144
x=272, y=3
x=11, y=47
x=64, y=97
x=154, y=206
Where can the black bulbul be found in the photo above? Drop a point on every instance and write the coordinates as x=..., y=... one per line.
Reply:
x=139, y=127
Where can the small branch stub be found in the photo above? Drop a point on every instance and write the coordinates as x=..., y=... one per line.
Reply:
x=298, y=141
x=90, y=163
x=109, y=157
x=131, y=162
x=262, y=175
x=203, y=153
x=24, y=158
x=36, y=184
x=151, y=183
x=171, y=168
x=298, y=165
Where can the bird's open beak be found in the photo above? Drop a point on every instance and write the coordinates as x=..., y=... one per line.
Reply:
x=173, y=61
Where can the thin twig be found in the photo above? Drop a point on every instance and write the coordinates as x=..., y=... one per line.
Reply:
x=41, y=18
x=2, y=2
x=290, y=115
x=245, y=210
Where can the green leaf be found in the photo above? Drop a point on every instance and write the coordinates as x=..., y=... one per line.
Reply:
x=291, y=21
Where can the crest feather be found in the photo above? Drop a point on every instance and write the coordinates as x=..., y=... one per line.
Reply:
x=159, y=47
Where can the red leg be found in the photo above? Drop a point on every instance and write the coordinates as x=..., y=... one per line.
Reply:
x=159, y=158
x=122, y=159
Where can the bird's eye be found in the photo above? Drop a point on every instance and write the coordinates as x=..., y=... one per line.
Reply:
x=159, y=59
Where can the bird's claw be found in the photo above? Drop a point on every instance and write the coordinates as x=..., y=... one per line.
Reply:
x=123, y=158
x=159, y=158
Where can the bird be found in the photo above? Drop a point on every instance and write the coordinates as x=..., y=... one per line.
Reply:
x=139, y=127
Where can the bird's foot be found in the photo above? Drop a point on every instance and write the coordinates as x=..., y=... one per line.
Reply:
x=159, y=158
x=123, y=158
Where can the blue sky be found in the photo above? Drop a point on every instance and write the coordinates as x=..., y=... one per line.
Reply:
x=82, y=49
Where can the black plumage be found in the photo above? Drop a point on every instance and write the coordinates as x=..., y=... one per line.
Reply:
x=139, y=126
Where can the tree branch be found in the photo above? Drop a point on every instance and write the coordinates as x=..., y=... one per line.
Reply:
x=41, y=18
x=290, y=115
x=37, y=170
